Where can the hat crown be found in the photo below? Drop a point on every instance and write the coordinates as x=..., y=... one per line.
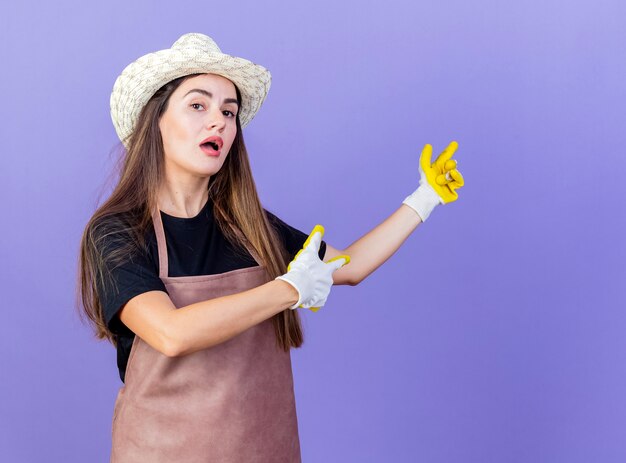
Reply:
x=197, y=41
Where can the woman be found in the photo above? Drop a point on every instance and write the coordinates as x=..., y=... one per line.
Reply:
x=186, y=274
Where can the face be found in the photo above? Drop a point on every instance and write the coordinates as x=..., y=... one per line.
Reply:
x=201, y=107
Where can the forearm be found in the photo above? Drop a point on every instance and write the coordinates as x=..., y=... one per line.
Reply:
x=207, y=323
x=374, y=248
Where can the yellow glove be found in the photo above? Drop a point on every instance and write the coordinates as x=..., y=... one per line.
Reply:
x=442, y=175
x=438, y=181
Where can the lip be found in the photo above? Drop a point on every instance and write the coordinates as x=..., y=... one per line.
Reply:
x=210, y=152
x=214, y=139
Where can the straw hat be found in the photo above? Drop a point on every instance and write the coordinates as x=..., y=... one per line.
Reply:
x=191, y=54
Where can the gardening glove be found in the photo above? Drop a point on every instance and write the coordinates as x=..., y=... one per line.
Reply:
x=309, y=275
x=438, y=181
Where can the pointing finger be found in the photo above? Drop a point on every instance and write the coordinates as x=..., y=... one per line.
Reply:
x=337, y=262
x=446, y=155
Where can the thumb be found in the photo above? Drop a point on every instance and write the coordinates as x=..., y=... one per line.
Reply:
x=315, y=238
x=426, y=156
x=337, y=262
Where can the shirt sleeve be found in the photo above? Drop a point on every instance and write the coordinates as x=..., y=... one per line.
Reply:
x=292, y=237
x=135, y=275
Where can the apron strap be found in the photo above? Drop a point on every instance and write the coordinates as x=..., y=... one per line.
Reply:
x=161, y=244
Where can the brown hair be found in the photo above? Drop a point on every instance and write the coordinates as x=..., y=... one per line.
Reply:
x=126, y=216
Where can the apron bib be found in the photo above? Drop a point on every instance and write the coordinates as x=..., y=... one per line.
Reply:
x=233, y=402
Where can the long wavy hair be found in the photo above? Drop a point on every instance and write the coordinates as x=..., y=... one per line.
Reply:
x=126, y=214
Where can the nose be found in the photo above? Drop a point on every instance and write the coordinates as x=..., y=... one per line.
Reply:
x=216, y=120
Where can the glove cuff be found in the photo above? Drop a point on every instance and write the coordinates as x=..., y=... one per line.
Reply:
x=295, y=306
x=423, y=201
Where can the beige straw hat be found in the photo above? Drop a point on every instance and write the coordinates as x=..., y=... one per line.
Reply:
x=191, y=54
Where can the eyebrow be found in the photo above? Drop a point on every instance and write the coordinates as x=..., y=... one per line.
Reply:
x=210, y=95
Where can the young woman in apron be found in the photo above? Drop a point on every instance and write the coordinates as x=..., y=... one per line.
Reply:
x=208, y=376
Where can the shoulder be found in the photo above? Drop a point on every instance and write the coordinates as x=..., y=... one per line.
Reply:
x=106, y=234
x=293, y=238
x=115, y=239
x=126, y=269
x=284, y=230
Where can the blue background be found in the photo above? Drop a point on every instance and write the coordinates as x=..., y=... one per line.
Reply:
x=494, y=334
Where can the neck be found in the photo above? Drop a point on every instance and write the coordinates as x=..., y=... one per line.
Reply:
x=183, y=199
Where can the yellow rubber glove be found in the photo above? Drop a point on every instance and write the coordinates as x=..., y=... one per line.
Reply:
x=438, y=181
x=311, y=276
x=442, y=175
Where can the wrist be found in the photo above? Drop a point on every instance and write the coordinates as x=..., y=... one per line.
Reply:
x=423, y=200
x=290, y=292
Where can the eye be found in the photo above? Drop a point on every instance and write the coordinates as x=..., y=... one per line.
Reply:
x=232, y=114
x=193, y=105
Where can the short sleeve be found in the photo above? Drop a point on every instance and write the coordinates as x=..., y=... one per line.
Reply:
x=137, y=274
x=292, y=237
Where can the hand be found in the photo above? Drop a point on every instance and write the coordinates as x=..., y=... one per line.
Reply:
x=438, y=181
x=309, y=275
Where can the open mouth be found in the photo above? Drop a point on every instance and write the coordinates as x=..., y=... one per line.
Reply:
x=211, y=145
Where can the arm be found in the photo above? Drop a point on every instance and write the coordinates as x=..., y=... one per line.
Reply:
x=374, y=248
x=153, y=317
x=438, y=184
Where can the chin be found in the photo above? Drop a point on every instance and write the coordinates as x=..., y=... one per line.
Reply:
x=210, y=171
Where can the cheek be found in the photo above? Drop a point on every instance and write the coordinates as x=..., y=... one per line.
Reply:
x=179, y=133
x=232, y=135
x=175, y=135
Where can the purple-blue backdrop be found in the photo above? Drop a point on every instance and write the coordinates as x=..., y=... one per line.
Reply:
x=495, y=334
